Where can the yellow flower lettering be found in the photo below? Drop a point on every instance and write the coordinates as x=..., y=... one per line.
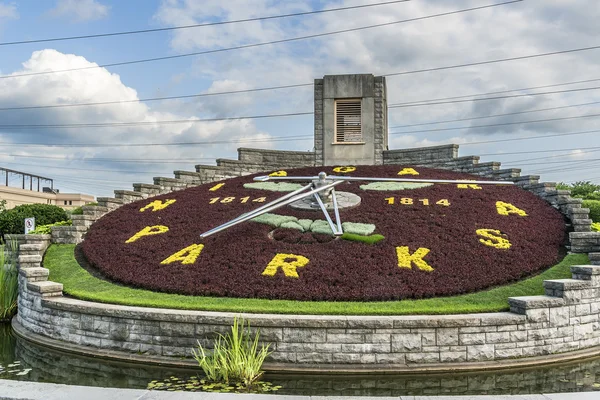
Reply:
x=344, y=169
x=493, y=238
x=186, y=256
x=405, y=259
x=278, y=173
x=288, y=267
x=507, y=209
x=157, y=205
x=408, y=171
x=216, y=187
x=147, y=231
x=468, y=186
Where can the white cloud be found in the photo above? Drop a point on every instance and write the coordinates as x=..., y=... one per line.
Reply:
x=80, y=10
x=8, y=11
x=95, y=85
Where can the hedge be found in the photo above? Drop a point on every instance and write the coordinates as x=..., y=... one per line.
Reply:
x=594, y=206
x=12, y=221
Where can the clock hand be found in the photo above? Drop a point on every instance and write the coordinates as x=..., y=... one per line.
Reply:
x=376, y=179
x=337, y=230
x=269, y=207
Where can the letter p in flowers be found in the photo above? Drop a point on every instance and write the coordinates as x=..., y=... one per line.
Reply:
x=147, y=231
x=288, y=266
x=405, y=259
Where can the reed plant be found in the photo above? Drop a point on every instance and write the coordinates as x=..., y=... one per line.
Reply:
x=9, y=283
x=236, y=357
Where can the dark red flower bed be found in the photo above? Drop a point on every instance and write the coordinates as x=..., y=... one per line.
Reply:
x=232, y=262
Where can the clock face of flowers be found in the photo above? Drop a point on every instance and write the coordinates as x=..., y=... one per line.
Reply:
x=403, y=240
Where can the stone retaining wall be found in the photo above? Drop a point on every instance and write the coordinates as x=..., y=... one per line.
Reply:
x=567, y=318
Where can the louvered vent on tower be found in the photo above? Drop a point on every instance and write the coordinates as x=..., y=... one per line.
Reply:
x=348, y=127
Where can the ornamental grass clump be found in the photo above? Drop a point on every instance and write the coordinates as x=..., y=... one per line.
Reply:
x=9, y=284
x=235, y=358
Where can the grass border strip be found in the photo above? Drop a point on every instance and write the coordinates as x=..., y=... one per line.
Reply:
x=80, y=284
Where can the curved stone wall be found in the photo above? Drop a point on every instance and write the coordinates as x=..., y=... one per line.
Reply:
x=565, y=320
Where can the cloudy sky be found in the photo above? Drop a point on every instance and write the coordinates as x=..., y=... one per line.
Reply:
x=560, y=143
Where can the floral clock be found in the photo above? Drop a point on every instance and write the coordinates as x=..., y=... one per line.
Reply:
x=400, y=240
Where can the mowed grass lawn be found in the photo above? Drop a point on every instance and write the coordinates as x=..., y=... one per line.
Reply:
x=80, y=284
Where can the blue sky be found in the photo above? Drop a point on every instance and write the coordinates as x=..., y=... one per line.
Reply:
x=528, y=27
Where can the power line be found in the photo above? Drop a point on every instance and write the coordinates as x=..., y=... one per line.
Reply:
x=298, y=14
x=247, y=46
x=493, y=125
x=538, y=151
x=267, y=89
x=118, y=160
x=93, y=145
x=530, y=137
x=187, y=96
x=193, y=121
x=496, y=115
x=495, y=61
x=397, y=105
x=503, y=91
x=146, y=123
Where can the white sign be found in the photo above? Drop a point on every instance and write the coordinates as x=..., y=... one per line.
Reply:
x=29, y=225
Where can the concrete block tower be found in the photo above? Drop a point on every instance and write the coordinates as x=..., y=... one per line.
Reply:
x=350, y=120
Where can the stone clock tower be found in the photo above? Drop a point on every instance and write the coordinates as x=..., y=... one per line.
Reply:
x=350, y=120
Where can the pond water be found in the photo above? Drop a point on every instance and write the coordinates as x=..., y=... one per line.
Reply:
x=21, y=360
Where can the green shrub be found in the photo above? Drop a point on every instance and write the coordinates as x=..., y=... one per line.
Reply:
x=12, y=221
x=76, y=211
x=596, y=227
x=46, y=229
x=594, y=206
x=235, y=357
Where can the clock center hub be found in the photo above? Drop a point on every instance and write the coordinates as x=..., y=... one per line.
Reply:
x=344, y=200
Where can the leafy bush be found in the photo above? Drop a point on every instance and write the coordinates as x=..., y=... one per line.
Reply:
x=594, y=206
x=596, y=227
x=45, y=229
x=235, y=357
x=582, y=189
x=9, y=285
x=11, y=221
x=76, y=211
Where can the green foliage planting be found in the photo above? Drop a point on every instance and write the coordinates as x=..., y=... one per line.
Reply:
x=12, y=221
x=274, y=186
x=9, y=283
x=47, y=229
x=596, y=226
x=316, y=226
x=594, y=206
x=582, y=189
x=235, y=358
x=76, y=211
x=371, y=239
x=384, y=186
x=79, y=283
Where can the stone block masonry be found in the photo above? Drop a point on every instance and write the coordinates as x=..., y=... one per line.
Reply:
x=566, y=319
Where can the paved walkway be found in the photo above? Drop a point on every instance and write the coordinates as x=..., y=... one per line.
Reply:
x=50, y=391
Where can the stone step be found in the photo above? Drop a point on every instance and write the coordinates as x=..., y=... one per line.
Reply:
x=189, y=177
x=526, y=180
x=29, y=259
x=519, y=305
x=46, y=288
x=147, y=188
x=129, y=196
x=508, y=174
x=26, y=249
x=594, y=258
x=83, y=220
x=169, y=184
x=110, y=203
x=35, y=274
